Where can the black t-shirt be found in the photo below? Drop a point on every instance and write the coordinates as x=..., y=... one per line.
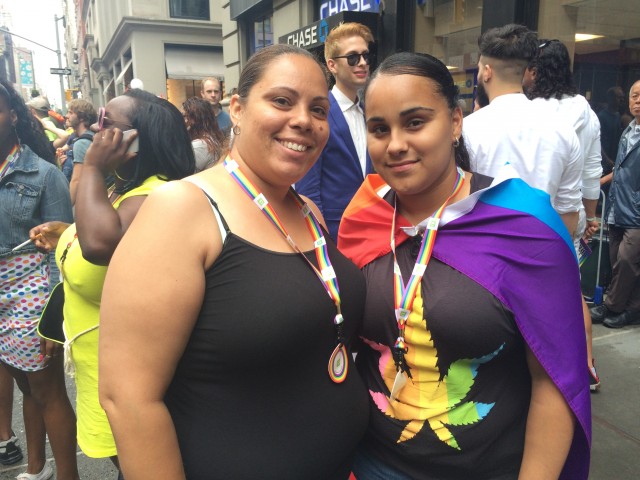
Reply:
x=464, y=414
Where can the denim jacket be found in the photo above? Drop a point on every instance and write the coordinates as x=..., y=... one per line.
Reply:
x=32, y=192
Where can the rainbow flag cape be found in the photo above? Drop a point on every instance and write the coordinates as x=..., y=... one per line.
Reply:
x=508, y=239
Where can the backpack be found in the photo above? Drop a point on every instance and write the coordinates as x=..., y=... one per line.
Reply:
x=67, y=166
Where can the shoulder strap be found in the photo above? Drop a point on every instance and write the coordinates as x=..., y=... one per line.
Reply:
x=222, y=223
x=84, y=136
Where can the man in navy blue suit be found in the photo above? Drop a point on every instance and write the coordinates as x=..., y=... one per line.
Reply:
x=344, y=162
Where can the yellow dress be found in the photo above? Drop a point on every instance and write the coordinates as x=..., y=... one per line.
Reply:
x=83, y=282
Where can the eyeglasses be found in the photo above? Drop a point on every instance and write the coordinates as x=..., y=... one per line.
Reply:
x=354, y=58
x=102, y=117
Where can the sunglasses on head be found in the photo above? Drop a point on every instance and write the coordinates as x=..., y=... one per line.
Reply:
x=354, y=58
x=544, y=44
x=102, y=116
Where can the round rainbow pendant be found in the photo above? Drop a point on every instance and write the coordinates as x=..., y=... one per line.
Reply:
x=338, y=364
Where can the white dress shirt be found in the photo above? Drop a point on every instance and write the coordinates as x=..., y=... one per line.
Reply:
x=576, y=111
x=354, y=116
x=544, y=151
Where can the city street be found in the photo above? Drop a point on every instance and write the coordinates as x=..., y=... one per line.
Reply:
x=616, y=422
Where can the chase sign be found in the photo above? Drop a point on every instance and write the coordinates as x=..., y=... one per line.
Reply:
x=308, y=37
x=314, y=35
x=336, y=6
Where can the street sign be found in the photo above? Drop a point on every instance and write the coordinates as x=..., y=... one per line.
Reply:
x=60, y=71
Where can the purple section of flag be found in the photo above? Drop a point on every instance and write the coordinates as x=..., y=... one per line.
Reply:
x=532, y=271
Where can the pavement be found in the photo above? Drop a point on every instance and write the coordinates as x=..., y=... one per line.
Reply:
x=615, y=413
x=89, y=468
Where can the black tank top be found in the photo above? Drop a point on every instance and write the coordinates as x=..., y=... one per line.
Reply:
x=251, y=397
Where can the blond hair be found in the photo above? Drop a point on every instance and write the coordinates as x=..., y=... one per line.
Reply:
x=345, y=30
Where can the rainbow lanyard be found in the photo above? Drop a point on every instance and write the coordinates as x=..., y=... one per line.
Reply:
x=404, y=296
x=325, y=273
x=10, y=160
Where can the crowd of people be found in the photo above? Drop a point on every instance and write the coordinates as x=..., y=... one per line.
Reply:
x=256, y=302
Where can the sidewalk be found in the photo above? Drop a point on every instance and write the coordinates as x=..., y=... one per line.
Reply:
x=616, y=408
x=89, y=468
x=616, y=413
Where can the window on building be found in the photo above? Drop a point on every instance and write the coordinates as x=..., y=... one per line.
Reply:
x=194, y=9
x=262, y=33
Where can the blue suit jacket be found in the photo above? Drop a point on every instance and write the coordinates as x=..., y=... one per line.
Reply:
x=337, y=175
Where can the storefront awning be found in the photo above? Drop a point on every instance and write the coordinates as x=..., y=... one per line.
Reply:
x=187, y=63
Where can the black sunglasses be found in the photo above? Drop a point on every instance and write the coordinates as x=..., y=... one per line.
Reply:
x=354, y=58
x=102, y=116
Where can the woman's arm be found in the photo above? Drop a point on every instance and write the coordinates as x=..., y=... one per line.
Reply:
x=606, y=179
x=550, y=427
x=145, y=325
x=99, y=239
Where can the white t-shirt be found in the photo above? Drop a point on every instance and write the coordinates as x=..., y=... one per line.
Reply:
x=541, y=149
x=204, y=158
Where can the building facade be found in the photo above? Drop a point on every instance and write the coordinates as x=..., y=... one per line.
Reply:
x=602, y=35
x=170, y=45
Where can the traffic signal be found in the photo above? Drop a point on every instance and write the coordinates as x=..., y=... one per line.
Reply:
x=71, y=93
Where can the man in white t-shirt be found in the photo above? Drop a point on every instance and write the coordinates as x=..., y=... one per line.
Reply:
x=543, y=151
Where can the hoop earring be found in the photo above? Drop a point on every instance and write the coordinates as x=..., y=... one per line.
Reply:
x=456, y=143
x=236, y=130
x=115, y=172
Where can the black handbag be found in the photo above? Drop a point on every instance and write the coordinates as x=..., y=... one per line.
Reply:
x=50, y=324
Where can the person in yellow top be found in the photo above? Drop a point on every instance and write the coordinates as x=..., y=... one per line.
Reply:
x=103, y=215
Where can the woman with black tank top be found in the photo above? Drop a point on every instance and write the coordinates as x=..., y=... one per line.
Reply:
x=225, y=351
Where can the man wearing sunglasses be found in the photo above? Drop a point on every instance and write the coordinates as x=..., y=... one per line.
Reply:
x=344, y=162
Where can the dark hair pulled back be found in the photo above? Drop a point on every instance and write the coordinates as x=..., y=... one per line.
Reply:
x=426, y=66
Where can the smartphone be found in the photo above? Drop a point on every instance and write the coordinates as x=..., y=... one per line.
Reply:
x=133, y=148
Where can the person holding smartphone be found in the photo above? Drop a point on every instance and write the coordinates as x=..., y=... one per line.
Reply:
x=84, y=249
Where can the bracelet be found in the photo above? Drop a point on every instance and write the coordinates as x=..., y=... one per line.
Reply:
x=591, y=219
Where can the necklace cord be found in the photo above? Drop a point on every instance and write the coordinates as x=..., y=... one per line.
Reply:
x=405, y=294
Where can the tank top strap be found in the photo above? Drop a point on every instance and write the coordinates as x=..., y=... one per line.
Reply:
x=222, y=223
